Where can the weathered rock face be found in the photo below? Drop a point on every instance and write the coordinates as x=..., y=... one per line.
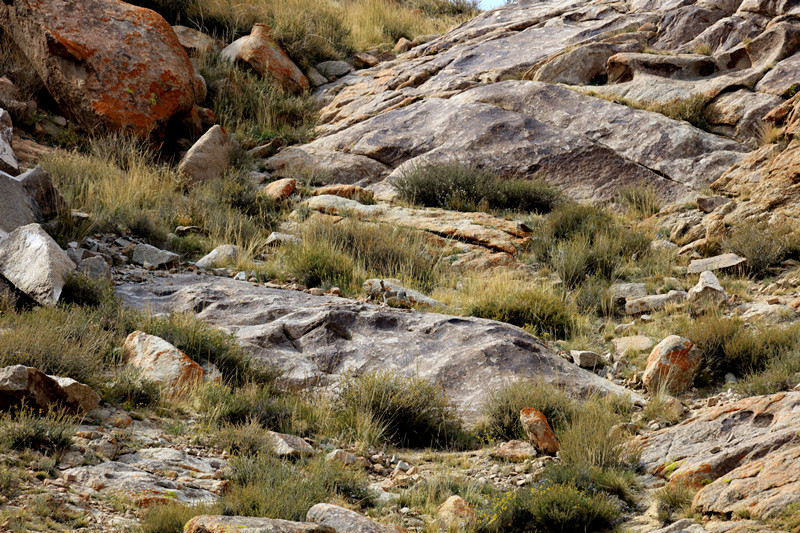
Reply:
x=8, y=161
x=319, y=338
x=161, y=362
x=20, y=383
x=538, y=430
x=712, y=444
x=765, y=487
x=40, y=187
x=108, y=64
x=34, y=263
x=18, y=208
x=450, y=99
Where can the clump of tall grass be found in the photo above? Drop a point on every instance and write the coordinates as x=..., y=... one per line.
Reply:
x=640, y=200
x=460, y=187
x=349, y=252
x=24, y=429
x=413, y=411
x=763, y=245
x=729, y=345
x=123, y=186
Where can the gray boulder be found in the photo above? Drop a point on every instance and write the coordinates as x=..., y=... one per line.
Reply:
x=34, y=263
x=334, y=69
x=708, y=289
x=95, y=268
x=221, y=255
x=40, y=187
x=342, y=519
x=320, y=339
x=145, y=254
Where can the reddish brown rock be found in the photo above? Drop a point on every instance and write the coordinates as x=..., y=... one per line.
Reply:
x=538, y=430
x=265, y=56
x=280, y=189
x=672, y=364
x=455, y=513
x=108, y=64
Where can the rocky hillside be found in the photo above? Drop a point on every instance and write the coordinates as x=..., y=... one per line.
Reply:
x=261, y=270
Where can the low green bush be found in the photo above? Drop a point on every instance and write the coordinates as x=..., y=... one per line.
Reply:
x=675, y=497
x=541, y=311
x=640, y=200
x=130, y=391
x=414, y=411
x=263, y=485
x=501, y=408
x=730, y=345
x=461, y=187
x=764, y=245
x=171, y=517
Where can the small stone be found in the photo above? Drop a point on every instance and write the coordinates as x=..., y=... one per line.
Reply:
x=586, y=359
x=707, y=290
x=316, y=291
x=455, y=513
x=224, y=254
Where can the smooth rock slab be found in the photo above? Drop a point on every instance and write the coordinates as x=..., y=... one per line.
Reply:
x=242, y=524
x=34, y=263
x=319, y=339
x=340, y=519
x=765, y=487
x=718, y=262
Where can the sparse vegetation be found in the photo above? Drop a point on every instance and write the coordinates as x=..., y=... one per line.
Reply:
x=763, y=245
x=541, y=311
x=641, y=200
x=25, y=429
x=460, y=187
x=690, y=109
x=674, y=498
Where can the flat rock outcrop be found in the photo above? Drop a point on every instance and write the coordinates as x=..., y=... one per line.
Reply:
x=642, y=81
x=713, y=444
x=318, y=339
x=108, y=64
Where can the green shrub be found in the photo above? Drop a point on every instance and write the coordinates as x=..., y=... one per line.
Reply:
x=431, y=492
x=539, y=310
x=551, y=508
x=415, y=412
x=461, y=187
x=594, y=296
x=501, y=408
x=674, y=497
x=254, y=402
x=24, y=429
x=320, y=264
x=255, y=108
x=729, y=345
x=263, y=485
x=594, y=440
x=762, y=244
x=82, y=290
x=618, y=482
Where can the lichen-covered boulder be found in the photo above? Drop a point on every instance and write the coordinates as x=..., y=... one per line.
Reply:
x=672, y=365
x=108, y=64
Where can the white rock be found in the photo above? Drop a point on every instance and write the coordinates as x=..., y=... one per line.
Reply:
x=160, y=361
x=708, y=289
x=32, y=261
x=226, y=253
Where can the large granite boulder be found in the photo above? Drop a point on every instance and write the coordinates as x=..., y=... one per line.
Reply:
x=108, y=64
x=319, y=339
x=23, y=384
